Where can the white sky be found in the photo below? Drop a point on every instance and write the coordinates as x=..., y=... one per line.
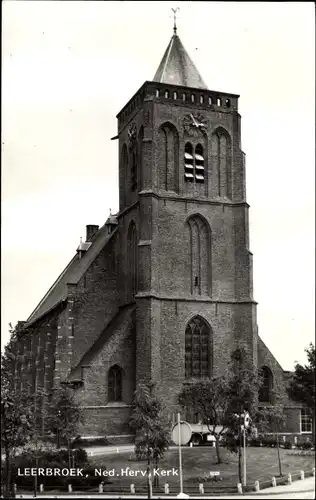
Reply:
x=69, y=67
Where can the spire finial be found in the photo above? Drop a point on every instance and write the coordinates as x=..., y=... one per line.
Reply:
x=175, y=20
x=110, y=212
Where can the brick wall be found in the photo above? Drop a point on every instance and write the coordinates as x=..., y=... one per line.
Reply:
x=96, y=300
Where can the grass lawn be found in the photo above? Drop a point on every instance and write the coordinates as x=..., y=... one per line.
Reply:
x=262, y=464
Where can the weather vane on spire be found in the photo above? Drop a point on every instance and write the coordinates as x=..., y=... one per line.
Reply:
x=175, y=20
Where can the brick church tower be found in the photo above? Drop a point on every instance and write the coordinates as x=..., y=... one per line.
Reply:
x=183, y=206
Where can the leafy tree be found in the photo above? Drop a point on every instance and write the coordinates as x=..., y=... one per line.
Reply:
x=64, y=416
x=271, y=418
x=302, y=385
x=17, y=416
x=242, y=394
x=209, y=399
x=151, y=426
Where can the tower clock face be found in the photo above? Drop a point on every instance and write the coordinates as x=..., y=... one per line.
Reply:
x=132, y=134
x=194, y=125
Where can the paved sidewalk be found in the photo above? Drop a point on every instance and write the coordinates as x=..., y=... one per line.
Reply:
x=298, y=486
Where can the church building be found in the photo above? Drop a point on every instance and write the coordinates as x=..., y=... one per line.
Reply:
x=163, y=291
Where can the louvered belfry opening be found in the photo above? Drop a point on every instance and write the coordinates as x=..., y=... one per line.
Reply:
x=199, y=164
x=194, y=164
x=188, y=163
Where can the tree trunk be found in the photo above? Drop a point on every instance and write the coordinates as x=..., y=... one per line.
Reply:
x=149, y=480
x=7, y=493
x=69, y=453
x=156, y=478
x=279, y=458
x=219, y=460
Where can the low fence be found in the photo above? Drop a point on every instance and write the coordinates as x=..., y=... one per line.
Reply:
x=207, y=488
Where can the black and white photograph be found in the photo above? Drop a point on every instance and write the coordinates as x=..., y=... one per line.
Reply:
x=158, y=249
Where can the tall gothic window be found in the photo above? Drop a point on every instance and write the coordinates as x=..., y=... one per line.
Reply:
x=221, y=159
x=140, y=157
x=199, y=255
x=265, y=391
x=134, y=179
x=132, y=257
x=115, y=384
x=198, y=349
x=168, y=157
x=125, y=175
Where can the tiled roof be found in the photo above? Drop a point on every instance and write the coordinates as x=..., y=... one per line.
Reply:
x=71, y=274
x=120, y=321
x=177, y=68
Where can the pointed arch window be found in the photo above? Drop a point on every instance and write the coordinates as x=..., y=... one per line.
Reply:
x=168, y=157
x=199, y=256
x=115, y=383
x=132, y=257
x=265, y=391
x=197, y=349
x=134, y=169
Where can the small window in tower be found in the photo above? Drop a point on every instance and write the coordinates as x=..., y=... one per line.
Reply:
x=210, y=101
x=157, y=93
x=201, y=99
x=175, y=95
x=192, y=97
x=199, y=164
x=227, y=102
x=72, y=330
x=219, y=101
x=184, y=97
x=167, y=94
x=196, y=281
x=188, y=163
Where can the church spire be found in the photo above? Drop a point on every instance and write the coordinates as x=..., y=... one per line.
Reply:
x=176, y=66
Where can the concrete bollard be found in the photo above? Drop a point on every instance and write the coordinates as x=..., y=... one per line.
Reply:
x=101, y=487
x=273, y=482
x=289, y=478
x=239, y=488
x=14, y=488
x=41, y=488
x=302, y=474
x=257, y=486
x=201, y=489
x=191, y=445
x=133, y=489
x=69, y=488
x=166, y=489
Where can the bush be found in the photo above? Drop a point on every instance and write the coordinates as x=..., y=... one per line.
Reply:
x=50, y=459
x=256, y=442
x=307, y=445
x=287, y=445
x=98, y=441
